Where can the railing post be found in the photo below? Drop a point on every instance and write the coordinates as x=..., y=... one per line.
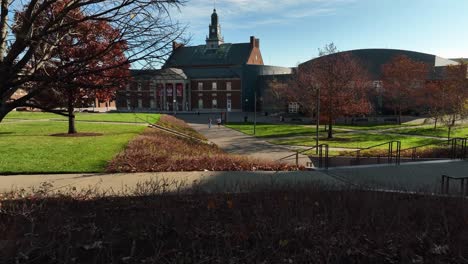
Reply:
x=390, y=152
x=442, y=185
x=413, y=154
x=326, y=157
x=447, y=185
x=462, y=186
x=358, y=157
x=297, y=158
x=398, y=152
x=320, y=156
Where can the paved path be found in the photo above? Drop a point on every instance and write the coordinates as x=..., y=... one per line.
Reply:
x=238, y=143
x=415, y=177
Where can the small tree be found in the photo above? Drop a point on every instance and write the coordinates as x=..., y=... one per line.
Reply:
x=100, y=75
x=402, y=77
x=430, y=99
x=30, y=41
x=455, y=99
x=338, y=80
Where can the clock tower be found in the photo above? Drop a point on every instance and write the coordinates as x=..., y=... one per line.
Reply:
x=214, y=38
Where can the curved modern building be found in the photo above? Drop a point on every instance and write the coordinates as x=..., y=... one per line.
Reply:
x=373, y=59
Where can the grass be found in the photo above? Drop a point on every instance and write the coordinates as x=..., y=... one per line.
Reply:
x=264, y=130
x=299, y=224
x=27, y=147
x=361, y=140
x=98, y=117
x=373, y=126
x=440, y=131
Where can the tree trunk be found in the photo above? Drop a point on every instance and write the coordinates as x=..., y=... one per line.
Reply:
x=71, y=115
x=4, y=111
x=330, y=127
x=399, y=116
x=449, y=131
x=435, y=123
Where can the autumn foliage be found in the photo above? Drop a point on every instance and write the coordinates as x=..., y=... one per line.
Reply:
x=402, y=78
x=339, y=80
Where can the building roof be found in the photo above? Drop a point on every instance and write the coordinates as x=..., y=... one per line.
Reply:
x=213, y=73
x=163, y=74
x=373, y=59
x=193, y=56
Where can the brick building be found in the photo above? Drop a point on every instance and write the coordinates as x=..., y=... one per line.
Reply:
x=215, y=76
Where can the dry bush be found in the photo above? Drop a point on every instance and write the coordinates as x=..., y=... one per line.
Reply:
x=425, y=152
x=297, y=225
x=179, y=126
x=156, y=151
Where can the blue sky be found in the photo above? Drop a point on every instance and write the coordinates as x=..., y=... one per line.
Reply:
x=291, y=31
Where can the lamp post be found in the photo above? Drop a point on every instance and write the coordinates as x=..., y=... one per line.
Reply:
x=174, y=105
x=317, y=125
x=255, y=112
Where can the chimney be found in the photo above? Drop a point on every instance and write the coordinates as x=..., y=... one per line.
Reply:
x=252, y=41
x=176, y=45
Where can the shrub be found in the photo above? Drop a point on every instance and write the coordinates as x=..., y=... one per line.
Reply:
x=156, y=151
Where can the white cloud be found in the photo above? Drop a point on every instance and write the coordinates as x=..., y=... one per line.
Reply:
x=261, y=12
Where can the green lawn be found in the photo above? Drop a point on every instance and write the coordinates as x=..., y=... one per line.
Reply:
x=363, y=140
x=98, y=117
x=274, y=130
x=373, y=126
x=458, y=131
x=264, y=130
x=27, y=147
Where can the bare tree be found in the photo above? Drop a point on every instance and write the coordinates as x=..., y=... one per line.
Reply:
x=31, y=31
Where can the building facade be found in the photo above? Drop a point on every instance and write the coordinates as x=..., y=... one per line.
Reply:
x=216, y=76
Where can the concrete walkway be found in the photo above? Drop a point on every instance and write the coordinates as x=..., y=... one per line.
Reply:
x=414, y=177
x=238, y=143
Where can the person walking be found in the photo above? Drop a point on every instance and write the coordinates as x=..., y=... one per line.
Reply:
x=219, y=122
x=209, y=122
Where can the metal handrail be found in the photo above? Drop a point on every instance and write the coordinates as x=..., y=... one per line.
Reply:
x=297, y=152
x=445, y=184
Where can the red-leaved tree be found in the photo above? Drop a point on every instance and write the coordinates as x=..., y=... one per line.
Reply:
x=89, y=61
x=402, y=77
x=340, y=82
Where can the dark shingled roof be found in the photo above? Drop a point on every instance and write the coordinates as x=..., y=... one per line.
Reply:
x=213, y=73
x=226, y=54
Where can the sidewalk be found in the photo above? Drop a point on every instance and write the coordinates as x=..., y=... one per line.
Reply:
x=238, y=143
x=414, y=177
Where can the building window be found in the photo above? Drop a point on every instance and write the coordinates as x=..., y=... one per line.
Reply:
x=139, y=86
x=200, y=103
x=152, y=104
x=140, y=103
x=200, y=86
x=200, y=94
x=228, y=95
x=214, y=86
x=229, y=86
x=293, y=107
x=214, y=95
x=215, y=103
